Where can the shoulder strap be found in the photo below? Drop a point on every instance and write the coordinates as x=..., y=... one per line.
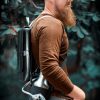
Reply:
x=38, y=20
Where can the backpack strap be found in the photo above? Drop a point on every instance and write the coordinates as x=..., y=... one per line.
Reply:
x=38, y=19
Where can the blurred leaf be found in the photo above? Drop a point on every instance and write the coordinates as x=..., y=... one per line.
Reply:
x=84, y=31
x=92, y=69
x=6, y=1
x=74, y=29
x=84, y=1
x=4, y=16
x=10, y=31
x=88, y=49
x=36, y=13
x=25, y=12
x=77, y=78
x=79, y=33
x=3, y=27
x=96, y=18
x=20, y=1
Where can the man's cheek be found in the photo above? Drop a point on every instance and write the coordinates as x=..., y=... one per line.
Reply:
x=60, y=5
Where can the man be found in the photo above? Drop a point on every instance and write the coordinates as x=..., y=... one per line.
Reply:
x=50, y=45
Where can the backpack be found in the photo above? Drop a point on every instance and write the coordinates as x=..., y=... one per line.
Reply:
x=25, y=57
x=27, y=65
x=29, y=70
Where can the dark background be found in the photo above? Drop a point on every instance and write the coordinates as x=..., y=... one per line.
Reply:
x=83, y=54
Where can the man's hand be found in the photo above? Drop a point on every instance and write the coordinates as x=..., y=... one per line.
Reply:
x=77, y=93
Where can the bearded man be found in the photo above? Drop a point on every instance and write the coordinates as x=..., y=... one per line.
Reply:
x=50, y=45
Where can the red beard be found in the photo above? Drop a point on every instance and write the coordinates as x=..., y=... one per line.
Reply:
x=68, y=17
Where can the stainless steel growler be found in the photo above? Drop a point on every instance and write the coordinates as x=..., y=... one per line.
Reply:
x=24, y=53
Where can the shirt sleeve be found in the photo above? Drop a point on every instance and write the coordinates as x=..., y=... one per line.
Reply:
x=49, y=49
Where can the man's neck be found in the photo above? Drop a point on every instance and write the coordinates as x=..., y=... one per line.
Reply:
x=51, y=12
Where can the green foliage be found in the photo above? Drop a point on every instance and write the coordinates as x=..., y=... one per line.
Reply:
x=86, y=14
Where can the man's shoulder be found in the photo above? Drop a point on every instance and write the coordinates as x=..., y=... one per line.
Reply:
x=49, y=21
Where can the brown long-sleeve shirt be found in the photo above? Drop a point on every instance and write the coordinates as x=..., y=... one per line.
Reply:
x=49, y=47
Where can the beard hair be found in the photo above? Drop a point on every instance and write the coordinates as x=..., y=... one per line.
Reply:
x=68, y=17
